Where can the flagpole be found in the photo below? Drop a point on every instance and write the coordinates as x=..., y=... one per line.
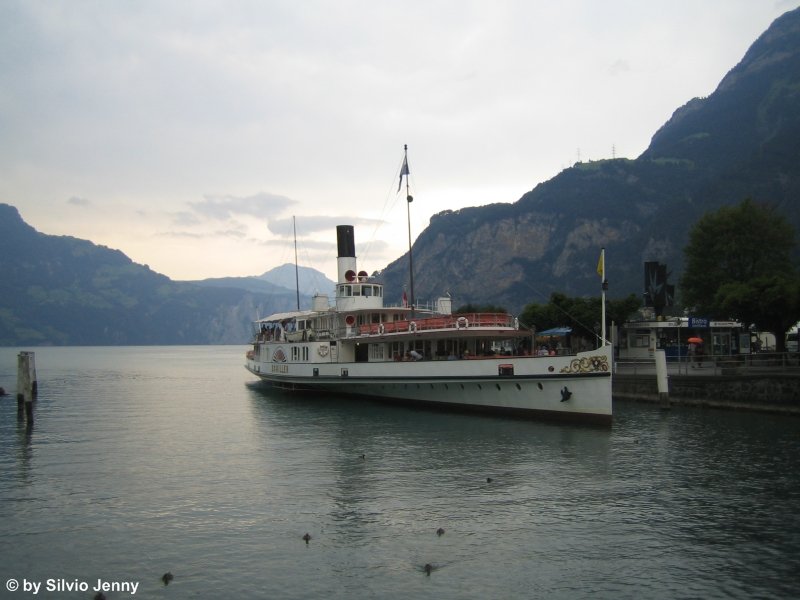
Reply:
x=603, y=287
x=409, y=200
x=296, y=274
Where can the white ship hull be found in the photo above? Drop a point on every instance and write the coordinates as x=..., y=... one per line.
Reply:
x=574, y=387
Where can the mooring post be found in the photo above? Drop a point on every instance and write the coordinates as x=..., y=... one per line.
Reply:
x=32, y=373
x=662, y=379
x=26, y=383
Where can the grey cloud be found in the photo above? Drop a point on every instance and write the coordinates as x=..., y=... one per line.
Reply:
x=262, y=205
x=309, y=225
x=77, y=201
x=229, y=233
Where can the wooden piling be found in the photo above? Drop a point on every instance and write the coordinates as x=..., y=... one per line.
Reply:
x=662, y=379
x=27, y=387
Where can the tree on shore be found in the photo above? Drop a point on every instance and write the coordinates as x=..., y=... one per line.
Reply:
x=581, y=314
x=739, y=266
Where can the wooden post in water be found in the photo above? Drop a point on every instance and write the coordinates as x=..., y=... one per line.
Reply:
x=27, y=386
x=663, y=379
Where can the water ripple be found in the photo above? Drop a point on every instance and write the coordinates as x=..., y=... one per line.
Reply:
x=144, y=460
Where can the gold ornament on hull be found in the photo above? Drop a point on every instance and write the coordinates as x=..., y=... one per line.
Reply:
x=588, y=364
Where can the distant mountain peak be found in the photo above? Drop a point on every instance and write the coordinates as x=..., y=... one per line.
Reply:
x=311, y=280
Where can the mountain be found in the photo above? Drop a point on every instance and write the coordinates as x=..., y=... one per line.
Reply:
x=742, y=141
x=278, y=281
x=59, y=290
x=311, y=281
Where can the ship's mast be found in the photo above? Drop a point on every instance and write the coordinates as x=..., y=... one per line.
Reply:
x=409, y=199
x=296, y=273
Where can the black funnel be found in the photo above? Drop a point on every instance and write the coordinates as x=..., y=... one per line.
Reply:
x=346, y=241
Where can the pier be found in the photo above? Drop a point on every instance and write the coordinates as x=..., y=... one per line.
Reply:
x=761, y=382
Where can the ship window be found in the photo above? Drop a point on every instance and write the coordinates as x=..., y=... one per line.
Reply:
x=377, y=351
x=367, y=290
x=641, y=341
x=356, y=290
x=396, y=350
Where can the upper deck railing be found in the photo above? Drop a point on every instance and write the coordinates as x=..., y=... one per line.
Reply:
x=440, y=322
x=424, y=323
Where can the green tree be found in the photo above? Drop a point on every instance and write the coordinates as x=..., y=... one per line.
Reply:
x=739, y=266
x=582, y=314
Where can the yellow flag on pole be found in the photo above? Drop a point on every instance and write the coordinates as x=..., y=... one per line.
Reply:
x=601, y=264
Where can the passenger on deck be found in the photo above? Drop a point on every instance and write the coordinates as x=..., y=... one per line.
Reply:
x=414, y=355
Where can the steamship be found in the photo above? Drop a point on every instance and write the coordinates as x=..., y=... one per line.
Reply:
x=358, y=345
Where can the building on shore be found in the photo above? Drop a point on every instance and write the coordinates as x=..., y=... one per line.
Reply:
x=639, y=340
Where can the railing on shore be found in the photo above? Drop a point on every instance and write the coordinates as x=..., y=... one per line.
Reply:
x=741, y=364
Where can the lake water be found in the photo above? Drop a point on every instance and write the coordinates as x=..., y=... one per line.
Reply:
x=153, y=459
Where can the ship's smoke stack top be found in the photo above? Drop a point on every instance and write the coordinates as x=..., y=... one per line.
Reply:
x=346, y=241
x=346, y=257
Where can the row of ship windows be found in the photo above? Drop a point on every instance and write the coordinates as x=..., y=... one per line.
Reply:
x=346, y=291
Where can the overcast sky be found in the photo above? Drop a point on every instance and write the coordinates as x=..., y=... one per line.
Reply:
x=188, y=134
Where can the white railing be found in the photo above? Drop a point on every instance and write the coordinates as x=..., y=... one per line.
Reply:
x=761, y=362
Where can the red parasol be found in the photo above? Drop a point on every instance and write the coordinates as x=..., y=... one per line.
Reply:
x=695, y=340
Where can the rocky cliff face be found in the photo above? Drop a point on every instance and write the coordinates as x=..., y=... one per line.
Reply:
x=740, y=142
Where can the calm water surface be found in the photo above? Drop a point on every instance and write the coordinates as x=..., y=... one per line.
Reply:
x=154, y=459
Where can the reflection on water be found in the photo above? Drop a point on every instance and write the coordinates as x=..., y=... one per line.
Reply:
x=144, y=460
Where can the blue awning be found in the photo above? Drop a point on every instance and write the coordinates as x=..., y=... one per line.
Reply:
x=556, y=331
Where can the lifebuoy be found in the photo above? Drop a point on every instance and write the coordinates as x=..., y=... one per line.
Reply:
x=462, y=323
x=412, y=326
x=381, y=329
x=350, y=319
